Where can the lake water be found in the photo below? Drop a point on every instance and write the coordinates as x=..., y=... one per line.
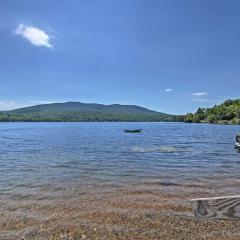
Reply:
x=34, y=156
x=60, y=180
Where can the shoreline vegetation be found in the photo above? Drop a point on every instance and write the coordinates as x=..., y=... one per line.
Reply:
x=225, y=113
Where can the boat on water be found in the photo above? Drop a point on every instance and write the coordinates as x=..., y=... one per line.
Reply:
x=132, y=130
x=237, y=144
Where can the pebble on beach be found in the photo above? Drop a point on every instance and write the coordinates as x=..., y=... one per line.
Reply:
x=84, y=236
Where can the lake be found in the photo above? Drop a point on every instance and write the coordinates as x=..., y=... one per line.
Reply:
x=69, y=164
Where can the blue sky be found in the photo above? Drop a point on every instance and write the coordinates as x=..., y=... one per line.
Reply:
x=167, y=55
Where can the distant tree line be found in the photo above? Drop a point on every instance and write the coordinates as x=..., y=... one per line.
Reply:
x=225, y=113
x=88, y=117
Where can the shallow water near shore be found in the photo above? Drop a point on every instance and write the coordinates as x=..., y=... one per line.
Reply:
x=90, y=172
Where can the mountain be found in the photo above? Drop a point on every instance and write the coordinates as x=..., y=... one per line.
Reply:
x=226, y=113
x=79, y=112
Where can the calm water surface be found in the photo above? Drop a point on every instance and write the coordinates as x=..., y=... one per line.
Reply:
x=41, y=157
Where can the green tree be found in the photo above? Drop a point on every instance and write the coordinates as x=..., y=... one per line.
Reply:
x=212, y=118
x=189, y=118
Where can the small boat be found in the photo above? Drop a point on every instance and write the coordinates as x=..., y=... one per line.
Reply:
x=132, y=130
x=237, y=144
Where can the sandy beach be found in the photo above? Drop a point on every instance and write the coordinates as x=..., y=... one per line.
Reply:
x=146, y=211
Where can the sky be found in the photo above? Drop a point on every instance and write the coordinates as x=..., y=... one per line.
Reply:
x=167, y=55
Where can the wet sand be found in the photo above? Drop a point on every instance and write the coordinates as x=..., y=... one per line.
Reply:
x=153, y=210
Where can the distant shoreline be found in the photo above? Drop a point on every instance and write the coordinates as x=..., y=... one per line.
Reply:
x=216, y=123
x=89, y=122
x=227, y=113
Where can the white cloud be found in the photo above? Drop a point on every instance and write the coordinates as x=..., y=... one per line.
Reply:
x=198, y=94
x=10, y=105
x=34, y=35
x=168, y=90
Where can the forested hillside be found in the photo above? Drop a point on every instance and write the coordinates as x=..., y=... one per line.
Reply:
x=227, y=112
x=82, y=112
